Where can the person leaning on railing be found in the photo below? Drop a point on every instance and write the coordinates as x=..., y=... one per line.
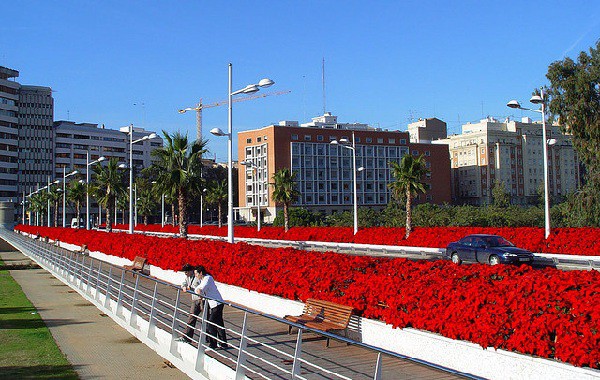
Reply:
x=207, y=288
x=190, y=283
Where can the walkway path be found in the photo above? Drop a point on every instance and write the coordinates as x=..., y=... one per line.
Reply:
x=95, y=345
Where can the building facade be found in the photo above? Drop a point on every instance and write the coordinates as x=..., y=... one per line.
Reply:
x=324, y=171
x=36, y=138
x=9, y=133
x=509, y=152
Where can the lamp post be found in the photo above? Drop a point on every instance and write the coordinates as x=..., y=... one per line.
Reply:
x=87, y=187
x=131, y=142
x=249, y=89
x=255, y=177
x=539, y=99
x=346, y=144
x=65, y=176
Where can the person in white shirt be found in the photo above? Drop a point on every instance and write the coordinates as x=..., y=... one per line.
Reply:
x=190, y=283
x=207, y=288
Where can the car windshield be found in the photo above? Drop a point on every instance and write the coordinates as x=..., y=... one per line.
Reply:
x=497, y=241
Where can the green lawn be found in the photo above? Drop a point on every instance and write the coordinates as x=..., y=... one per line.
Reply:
x=27, y=349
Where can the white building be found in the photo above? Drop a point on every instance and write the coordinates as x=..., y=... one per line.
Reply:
x=510, y=152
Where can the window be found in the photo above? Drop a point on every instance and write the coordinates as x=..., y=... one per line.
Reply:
x=379, y=141
x=319, y=137
x=391, y=141
x=416, y=153
x=427, y=153
x=357, y=139
x=403, y=141
x=307, y=137
x=369, y=140
x=248, y=141
x=258, y=139
x=294, y=137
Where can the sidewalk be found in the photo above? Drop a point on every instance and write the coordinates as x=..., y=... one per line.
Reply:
x=95, y=345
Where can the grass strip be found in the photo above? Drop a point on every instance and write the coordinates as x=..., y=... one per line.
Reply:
x=27, y=349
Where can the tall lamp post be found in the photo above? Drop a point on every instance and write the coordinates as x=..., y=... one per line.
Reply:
x=346, y=144
x=131, y=142
x=87, y=187
x=539, y=99
x=255, y=176
x=249, y=89
x=65, y=176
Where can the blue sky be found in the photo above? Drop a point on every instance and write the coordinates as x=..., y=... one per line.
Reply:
x=121, y=62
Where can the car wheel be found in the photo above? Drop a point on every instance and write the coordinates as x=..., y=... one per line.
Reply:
x=455, y=259
x=494, y=260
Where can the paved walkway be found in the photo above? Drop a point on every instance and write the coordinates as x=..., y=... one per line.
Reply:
x=93, y=343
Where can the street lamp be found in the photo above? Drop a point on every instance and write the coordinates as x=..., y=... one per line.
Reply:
x=346, y=144
x=87, y=187
x=539, y=99
x=249, y=89
x=131, y=142
x=255, y=177
x=65, y=175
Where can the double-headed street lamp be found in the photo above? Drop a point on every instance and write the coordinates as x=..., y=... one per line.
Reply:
x=65, y=176
x=255, y=179
x=539, y=99
x=131, y=142
x=249, y=89
x=87, y=187
x=346, y=144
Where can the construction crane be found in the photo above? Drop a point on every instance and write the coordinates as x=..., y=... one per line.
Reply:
x=199, y=107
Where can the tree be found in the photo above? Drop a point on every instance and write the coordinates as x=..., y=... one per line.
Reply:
x=146, y=198
x=408, y=183
x=37, y=205
x=179, y=163
x=109, y=183
x=500, y=196
x=76, y=194
x=55, y=195
x=285, y=192
x=574, y=98
x=217, y=194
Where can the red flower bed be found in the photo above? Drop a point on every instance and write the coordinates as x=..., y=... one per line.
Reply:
x=569, y=241
x=544, y=312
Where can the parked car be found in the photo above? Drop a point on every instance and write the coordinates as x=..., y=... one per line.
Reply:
x=77, y=223
x=492, y=249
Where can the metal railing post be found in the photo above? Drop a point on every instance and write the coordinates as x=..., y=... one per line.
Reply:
x=378, y=367
x=297, y=366
x=119, y=308
x=240, y=371
x=173, y=349
x=152, y=318
x=97, y=298
x=200, y=354
x=108, y=293
x=80, y=271
x=133, y=315
x=91, y=268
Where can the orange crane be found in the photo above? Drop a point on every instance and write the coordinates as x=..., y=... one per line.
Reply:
x=199, y=107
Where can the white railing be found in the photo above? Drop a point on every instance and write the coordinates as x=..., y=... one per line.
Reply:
x=154, y=311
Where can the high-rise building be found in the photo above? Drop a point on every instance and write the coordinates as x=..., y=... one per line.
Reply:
x=36, y=140
x=324, y=171
x=9, y=133
x=427, y=130
x=509, y=152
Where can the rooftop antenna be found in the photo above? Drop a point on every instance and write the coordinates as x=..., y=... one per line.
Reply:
x=323, y=78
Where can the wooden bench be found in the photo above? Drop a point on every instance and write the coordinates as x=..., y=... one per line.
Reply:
x=322, y=315
x=138, y=265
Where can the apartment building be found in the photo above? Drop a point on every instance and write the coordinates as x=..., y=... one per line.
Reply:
x=9, y=133
x=324, y=171
x=510, y=152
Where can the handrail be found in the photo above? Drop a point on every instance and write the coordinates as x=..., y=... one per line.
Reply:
x=10, y=236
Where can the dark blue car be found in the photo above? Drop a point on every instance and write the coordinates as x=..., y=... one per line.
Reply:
x=490, y=249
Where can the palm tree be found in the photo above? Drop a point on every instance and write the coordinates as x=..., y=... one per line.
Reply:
x=123, y=204
x=38, y=205
x=76, y=194
x=216, y=195
x=408, y=174
x=180, y=165
x=284, y=191
x=55, y=195
x=146, y=201
x=109, y=183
